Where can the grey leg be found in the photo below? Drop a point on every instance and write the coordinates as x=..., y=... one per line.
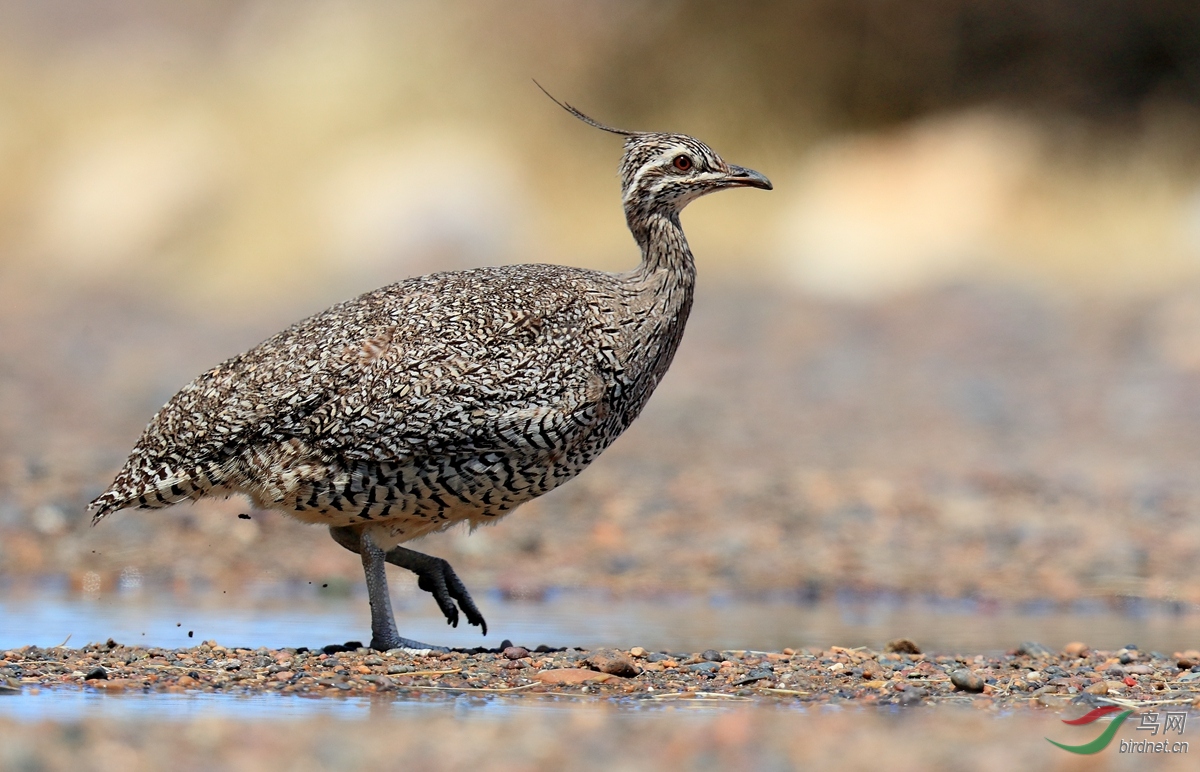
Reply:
x=383, y=624
x=434, y=576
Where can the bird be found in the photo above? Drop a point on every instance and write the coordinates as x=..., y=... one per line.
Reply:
x=448, y=398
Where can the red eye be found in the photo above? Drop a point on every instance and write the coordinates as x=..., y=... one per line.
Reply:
x=682, y=163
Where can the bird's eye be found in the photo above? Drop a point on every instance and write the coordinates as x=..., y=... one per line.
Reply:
x=682, y=163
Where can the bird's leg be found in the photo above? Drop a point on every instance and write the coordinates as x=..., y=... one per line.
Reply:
x=383, y=624
x=434, y=575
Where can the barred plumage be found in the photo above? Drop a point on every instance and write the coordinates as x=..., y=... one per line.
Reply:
x=445, y=398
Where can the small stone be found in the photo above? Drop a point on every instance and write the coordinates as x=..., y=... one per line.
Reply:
x=284, y=675
x=789, y=651
x=910, y=697
x=1188, y=659
x=1097, y=688
x=570, y=675
x=1034, y=649
x=96, y=673
x=901, y=646
x=232, y=664
x=751, y=677
x=515, y=664
x=707, y=668
x=712, y=655
x=657, y=656
x=398, y=669
x=871, y=670
x=1139, y=670
x=614, y=663
x=516, y=652
x=637, y=651
x=1076, y=649
x=1190, y=676
x=966, y=681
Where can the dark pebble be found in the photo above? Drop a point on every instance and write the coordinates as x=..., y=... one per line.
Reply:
x=614, y=662
x=966, y=681
x=901, y=646
x=516, y=652
x=657, y=656
x=752, y=676
x=96, y=674
x=707, y=668
x=1034, y=649
x=712, y=655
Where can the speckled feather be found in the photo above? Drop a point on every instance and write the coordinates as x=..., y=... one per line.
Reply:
x=444, y=398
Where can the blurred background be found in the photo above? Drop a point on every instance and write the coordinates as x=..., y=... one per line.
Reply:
x=954, y=354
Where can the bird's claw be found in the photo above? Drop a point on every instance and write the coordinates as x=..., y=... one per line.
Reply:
x=440, y=581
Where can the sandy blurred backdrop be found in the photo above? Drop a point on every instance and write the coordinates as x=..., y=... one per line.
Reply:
x=955, y=352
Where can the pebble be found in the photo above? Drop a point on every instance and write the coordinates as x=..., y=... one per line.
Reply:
x=614, y=662
x=1034, y=649
x=707, y=668
x=1100, y=687
x=712, y=655
x=570, y=675
x=752, y=676
x=97, y=673
x=1139, y=670
x=1075, y=649
x=516, y=652
x=637, y=651
x=967, y=681
x=901, y=646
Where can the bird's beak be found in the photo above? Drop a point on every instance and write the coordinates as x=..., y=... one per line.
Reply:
x=740, y=176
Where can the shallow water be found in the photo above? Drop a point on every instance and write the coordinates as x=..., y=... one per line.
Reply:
x=282, y=617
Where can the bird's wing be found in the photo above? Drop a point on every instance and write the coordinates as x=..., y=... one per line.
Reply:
x=416, y=369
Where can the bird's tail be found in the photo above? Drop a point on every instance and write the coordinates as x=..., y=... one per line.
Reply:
x=154, y=487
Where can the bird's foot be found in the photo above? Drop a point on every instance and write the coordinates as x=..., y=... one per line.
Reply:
x=387, y=643
x=437, y=578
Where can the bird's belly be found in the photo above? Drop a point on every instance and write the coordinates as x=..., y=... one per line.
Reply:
x=412, y=501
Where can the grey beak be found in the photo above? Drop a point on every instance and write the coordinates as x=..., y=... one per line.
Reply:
x=743, y=177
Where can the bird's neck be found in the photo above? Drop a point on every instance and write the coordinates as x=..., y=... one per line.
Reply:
x=660, y=300
x=666, y=257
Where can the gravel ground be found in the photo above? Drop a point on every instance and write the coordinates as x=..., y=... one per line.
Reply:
x=899, y=675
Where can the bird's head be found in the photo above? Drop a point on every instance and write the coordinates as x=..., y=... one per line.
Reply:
x=663, y=173
x=666, y=172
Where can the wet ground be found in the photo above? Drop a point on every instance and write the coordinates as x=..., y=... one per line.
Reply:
x=111, y=706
